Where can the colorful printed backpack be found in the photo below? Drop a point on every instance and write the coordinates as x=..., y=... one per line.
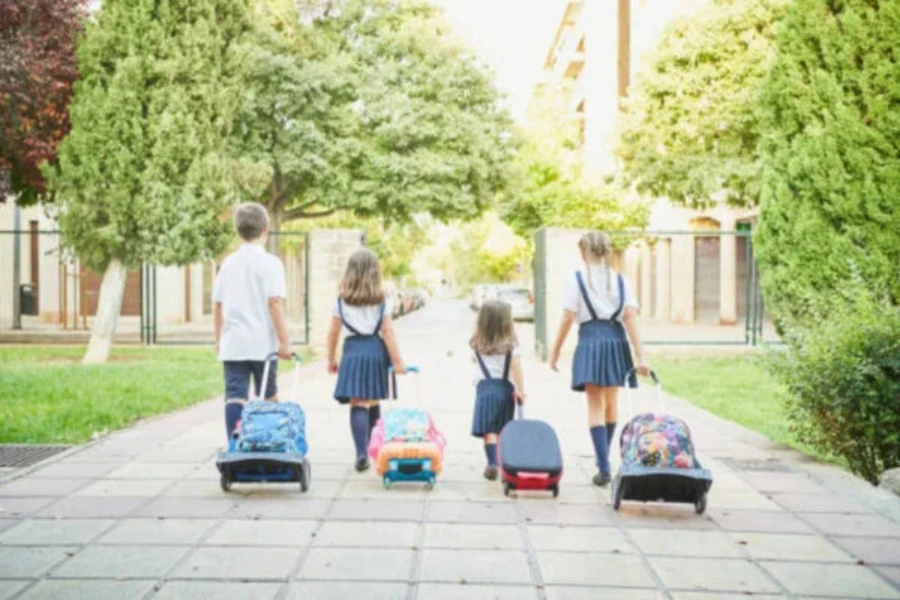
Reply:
x=656, y=440
x=272, y=427
x=407, y=426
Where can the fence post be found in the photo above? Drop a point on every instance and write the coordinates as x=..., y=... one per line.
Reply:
x=17, y=267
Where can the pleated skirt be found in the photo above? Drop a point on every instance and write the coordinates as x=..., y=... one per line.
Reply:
x=363, y=372
x=494, y=406
x=602, y=357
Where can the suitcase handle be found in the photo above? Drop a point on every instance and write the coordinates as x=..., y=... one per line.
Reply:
x=520, y=411
x=657, y=385
x=272, y=356
x=392, y=382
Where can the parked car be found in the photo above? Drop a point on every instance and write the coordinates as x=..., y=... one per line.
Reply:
x=521, y=301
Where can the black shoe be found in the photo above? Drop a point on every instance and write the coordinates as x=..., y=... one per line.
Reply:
x=362, y=464
x=490, y=473
x=601, y=479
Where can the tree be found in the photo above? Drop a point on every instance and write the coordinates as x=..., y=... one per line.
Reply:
x=37, y=70
x=374, y=108
x=144, y=176
x=487, y=250
x=830, y=150
x=690, y=132
x=554, y=189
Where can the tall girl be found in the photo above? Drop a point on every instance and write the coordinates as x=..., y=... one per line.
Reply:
x=370, y=348
x=603, y=303
x=497, y=357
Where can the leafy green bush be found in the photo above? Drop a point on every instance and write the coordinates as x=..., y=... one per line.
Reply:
x=843, y=375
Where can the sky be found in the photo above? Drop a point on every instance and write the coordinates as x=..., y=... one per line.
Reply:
x=512, y=36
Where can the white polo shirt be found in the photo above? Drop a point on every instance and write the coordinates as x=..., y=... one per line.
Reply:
x=244, y=284
x=363, y=319
x=604, y=297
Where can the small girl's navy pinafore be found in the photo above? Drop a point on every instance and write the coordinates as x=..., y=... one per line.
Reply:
x=603, y=355
x=494, y=405
x=364, y=366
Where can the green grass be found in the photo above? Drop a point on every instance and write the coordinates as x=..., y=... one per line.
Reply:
x=737, y=388
x=49, y=397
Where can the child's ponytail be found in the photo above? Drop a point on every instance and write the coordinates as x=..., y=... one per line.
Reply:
x=596, y=247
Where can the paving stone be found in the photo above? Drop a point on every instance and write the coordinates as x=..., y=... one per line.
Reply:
x=75, y=470
x=8, y=523
x=783, y=482
x=347, y=564
x=374, y=489
x=20, y=506
x=187, y=507
x=740, y=500
x=292, y=506
x=66, y=589
x=325, y=472
x=112, y=562
x=475, y=566
x=238, y=563
x=341, y=590
x=548, y=512
x=467, y=536
x=872, y=550
x=459, y=591
x=376, y=510
x=576, y=538
x=589, y=569
x=140, y=488
x=33, y=486
x=559, y=592
x=757, y=520
x=54, y=532
x=892, y=574
x=90, y=508
x=272, y=491
x=853, y=525
x=387, y=534
x=203, y=488
x=151, y=471
x=775, y=546
x=11, y=587
x=818, y=503
x=660, y=516
x=685, y=543
x=720, y=596
x=30, y=562
x=705, y=574
x=216, y=590
x=158, y=531
x=484, y=491
x=262, y=533
x=843, y=581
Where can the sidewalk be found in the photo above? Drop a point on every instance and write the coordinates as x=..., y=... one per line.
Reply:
x=140, y=514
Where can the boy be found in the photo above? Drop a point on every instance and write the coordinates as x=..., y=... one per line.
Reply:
x=249, y=313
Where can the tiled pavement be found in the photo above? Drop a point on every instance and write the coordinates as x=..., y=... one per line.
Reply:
x=140, y=514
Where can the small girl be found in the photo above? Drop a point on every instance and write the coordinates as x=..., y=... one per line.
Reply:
x=370, y=348
x=602, y=301
x=496, y=352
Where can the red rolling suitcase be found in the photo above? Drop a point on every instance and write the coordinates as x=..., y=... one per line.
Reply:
x=529, y=456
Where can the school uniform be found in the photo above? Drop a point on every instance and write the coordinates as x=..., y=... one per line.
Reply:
x=494, y=404
x=603, y=354
x=363, y=372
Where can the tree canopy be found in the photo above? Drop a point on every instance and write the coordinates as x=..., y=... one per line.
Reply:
x=372, y=106
x=690, y=132
x=37, y=70
x=830, y=149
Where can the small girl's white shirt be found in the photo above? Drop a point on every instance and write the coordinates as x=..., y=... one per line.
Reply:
x=604, y=296
x=362, y=318
x=494, y=364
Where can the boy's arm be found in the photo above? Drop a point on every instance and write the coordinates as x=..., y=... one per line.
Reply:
x=334, y=333
x=518, y=377
x=219, y=320
x=390, y=341
x=276, y=311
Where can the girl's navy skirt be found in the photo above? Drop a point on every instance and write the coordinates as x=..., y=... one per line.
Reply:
x=603, y=356
x=494, y=406
x=363, y=372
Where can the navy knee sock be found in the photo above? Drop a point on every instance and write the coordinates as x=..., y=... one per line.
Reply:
x=610, y=432
x=374, y=415
x=233, y=412
x=490, y=451
x=601, y=447
x=359, y=427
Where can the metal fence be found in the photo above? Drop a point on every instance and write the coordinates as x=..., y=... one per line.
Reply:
x=47, y=295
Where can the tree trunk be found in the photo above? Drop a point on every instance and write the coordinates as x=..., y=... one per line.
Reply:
x=109, y=305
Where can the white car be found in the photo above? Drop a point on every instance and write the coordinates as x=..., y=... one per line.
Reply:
x=521, y=301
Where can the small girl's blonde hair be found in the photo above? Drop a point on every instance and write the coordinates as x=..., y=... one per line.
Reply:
x=597, y=248
x=494, y=331
x=361, y=284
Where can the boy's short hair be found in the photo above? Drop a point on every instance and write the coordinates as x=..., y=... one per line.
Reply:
x=250, y=220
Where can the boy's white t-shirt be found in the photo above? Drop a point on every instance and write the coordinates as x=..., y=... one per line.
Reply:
x=362, y=318
x=244, y=284
x=494, y=364
x=604, y=297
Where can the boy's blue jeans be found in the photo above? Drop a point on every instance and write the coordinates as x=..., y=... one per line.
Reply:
x=238, y=374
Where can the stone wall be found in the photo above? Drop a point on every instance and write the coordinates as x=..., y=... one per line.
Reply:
x=329, y=250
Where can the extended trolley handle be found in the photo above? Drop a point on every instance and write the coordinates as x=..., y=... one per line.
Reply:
x=273, y=356
x=392, y=381
x=657, y=385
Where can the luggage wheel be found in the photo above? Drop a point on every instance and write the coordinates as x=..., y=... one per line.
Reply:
x=555, y=490
x=618, y=490
x=225, y=480
x=429, y=485
x=700, y=504
x=506, y=488
x=305, y=473
x=387, y=482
